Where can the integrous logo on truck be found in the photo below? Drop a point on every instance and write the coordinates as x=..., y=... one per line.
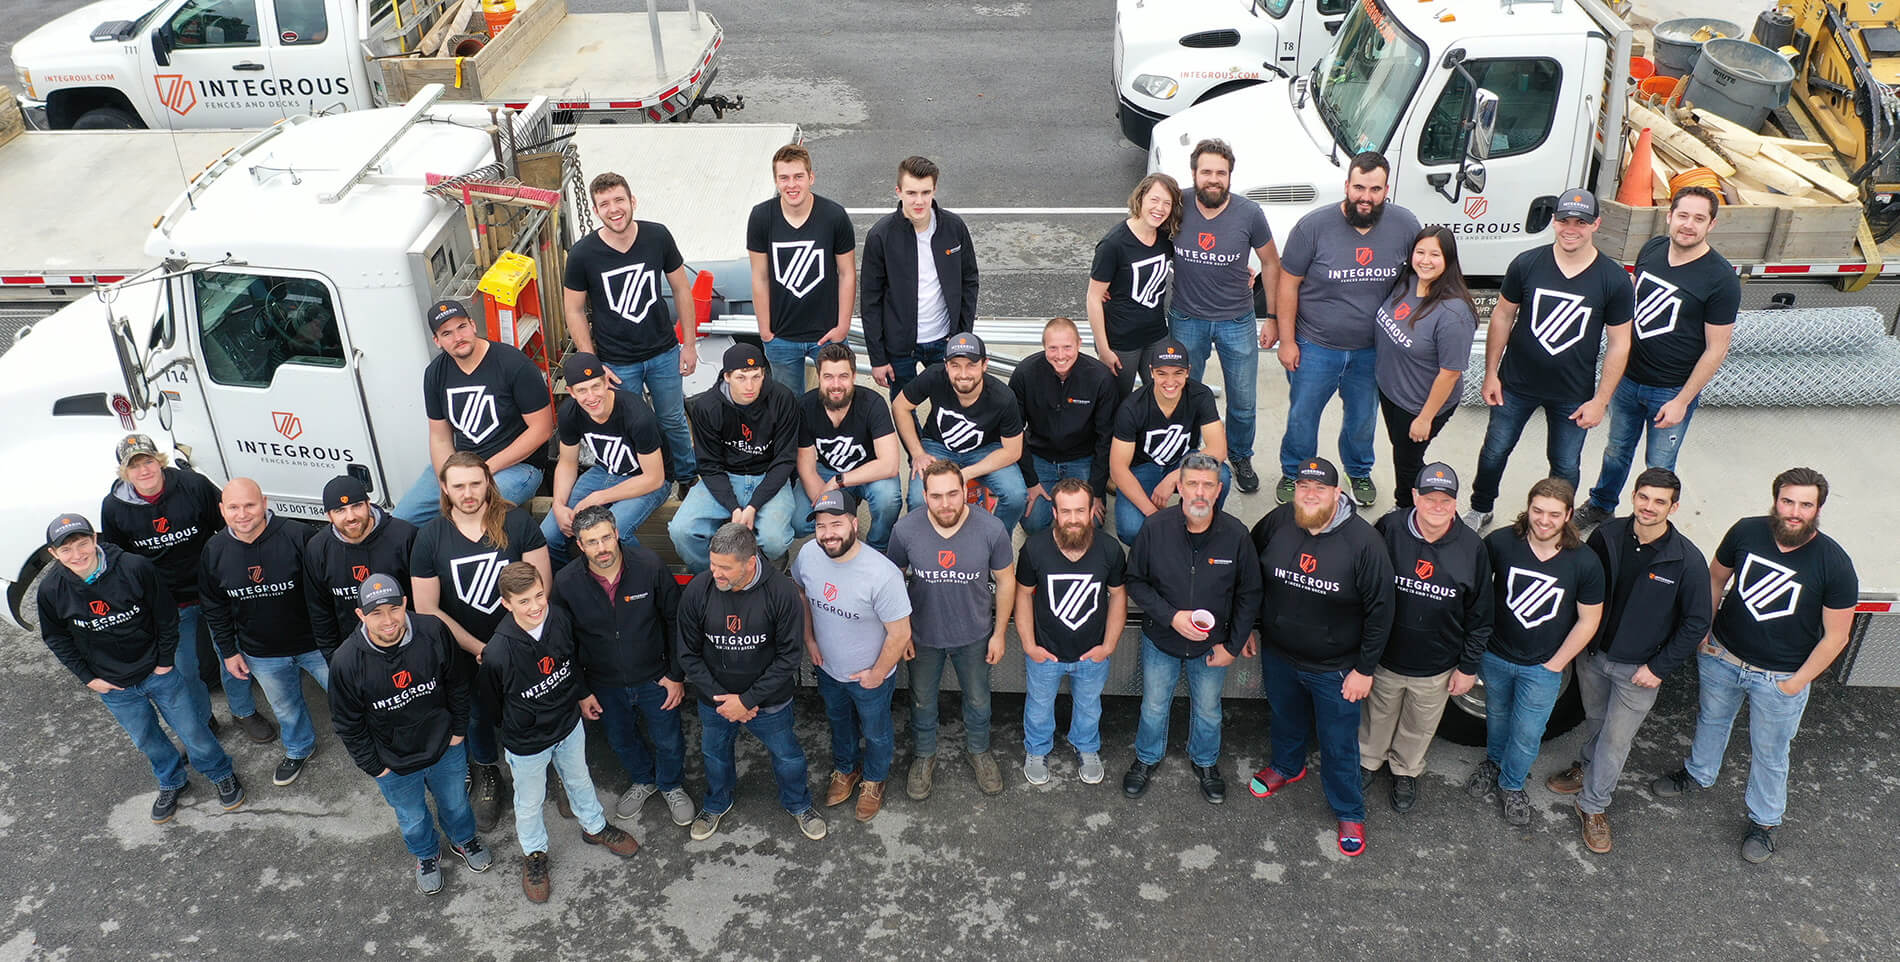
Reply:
x=289, y=427
x=180, y=94
x=1475, y=207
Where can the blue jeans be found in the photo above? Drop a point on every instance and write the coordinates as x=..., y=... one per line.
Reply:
x=1160, y=672
x=1633, y=410
x=622, y=712
x=629, y=513
x=701, y=514
x=885, y=496
x=1773, y=720
x=1563, y=443
x=237, y=694
x=1006, y=482
x=516, y=482
x=788, y=361
x=1041, y=679
x=1041, y=516
x=137, y=708
x=283, y=685
x=1322, y=372
x=1309, y=703
x=926, y=680
x=1129, y=519
x=1517, y=703
x=773, y=729
x=859, y=714
x=446, y=781
x=666, y=392
x=569, y=758
x=484, y=741
x=1238, y=341
x=903, y=369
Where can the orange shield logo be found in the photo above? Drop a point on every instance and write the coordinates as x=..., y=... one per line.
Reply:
x=176, y=93
x=1308, y=563
x=1424, y=569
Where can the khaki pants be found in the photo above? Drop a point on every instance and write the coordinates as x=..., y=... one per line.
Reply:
x=1401, y=716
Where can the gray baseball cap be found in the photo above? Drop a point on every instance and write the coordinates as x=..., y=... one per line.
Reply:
x=378, y=590
x=67, y=526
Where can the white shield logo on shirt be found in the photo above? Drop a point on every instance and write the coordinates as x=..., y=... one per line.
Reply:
x=798, y=266
x=1558, y=320
x=612, y=454
x=1532, y=596
x=959, y=434
x=1163, y=445
x=631, y=291
x=472, y=412
x=474, y=578
x=1768, y=590
x=842, y=453
x=1073, y=598
x=1148, y=280
x=1657, y=303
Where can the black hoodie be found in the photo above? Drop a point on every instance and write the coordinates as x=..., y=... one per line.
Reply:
x=746, y=642
x=626, y=639
x=118, y=628
x=257, y=598
x=1441, y=605
x=1171, y=570
x=1328, y=604
x=760, y=438
x=336, y=567
x=888, y=283
x=171, y=531
x=533, y=685
x=397, y=707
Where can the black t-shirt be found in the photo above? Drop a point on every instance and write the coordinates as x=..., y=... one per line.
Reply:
x=803, y=265
x=485, y=408
x=467, y=569
x=628, y=316
x=993, y=417
x=1137, y=275
x=630, y=431
x=1552, y=353
x=1633, y=556
x=1771, y=616
x=850, y=443
x=1537, y=600
x=1071, y=596
x=1672, y=306
x=1165, y=438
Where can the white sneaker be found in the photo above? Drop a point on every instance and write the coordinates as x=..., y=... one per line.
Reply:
x=1478, y=520
x=1036, y=769
x=1091, y=768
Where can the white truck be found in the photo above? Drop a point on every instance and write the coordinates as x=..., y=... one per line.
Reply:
x=278, y=334
x=178, y=64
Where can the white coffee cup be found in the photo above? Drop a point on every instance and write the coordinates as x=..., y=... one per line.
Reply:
x=1201, y=618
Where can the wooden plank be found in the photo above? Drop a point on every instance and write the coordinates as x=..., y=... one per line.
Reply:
x=1811, y=172
x=532, y=24
x=1681, y=141
x=12, y=121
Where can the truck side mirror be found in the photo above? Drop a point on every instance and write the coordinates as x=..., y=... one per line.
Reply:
x=1484, y=124
x=165, y=415
x=162, y=46
x=1473, y=176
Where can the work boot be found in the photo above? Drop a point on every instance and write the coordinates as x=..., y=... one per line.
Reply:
x=1245, y=480
x=1596, y=831
x=614, y=838
x=1136, y=781
x=1213, y=786
x=989, y=776
x=1567, y=782
x=870, y=800
x=841, y=785
x=534, y=877
x=484, y=795
x=923, y=773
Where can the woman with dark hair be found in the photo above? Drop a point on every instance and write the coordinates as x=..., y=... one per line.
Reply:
x=1130, y=274
x=1425, y=330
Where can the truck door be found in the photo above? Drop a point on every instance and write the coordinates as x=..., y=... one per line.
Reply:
x=308, y=55
x=280, y=383
x=217, y=67
x=1532, y=150
x=1307, y=28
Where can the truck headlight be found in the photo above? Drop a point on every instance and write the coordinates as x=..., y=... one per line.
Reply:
x=1158, y=87
x=25, y=77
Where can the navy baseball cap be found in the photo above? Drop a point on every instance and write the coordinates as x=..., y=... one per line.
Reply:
x=442, y=312
x=1318, y=469
x=1578, y=203
x=378, y=590
x=343, y=491
x=1167, y=352
x=835, y=501
x=67, y=526
x=1437, y=476
x=965, y=345
x=581, y=366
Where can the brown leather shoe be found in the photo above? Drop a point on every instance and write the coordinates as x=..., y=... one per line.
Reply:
x=534, y=877
x=870, y=800
x=615, y=838
x=841, y=785
x=1596, y=831
x=989, y=777
x=1567, y=782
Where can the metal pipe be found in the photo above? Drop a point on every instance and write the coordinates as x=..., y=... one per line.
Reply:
x=659, y=52
x=692, y=9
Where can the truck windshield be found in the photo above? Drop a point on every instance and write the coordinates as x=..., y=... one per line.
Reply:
x=1367, y=80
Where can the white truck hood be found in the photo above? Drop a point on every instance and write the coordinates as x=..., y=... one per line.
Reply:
x=1281, y=158
x=1152, y=22
x=67, y=40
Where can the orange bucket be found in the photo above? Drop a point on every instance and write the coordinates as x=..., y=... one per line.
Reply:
x=1658, y=86
x=497, y=14
x=1642, y=68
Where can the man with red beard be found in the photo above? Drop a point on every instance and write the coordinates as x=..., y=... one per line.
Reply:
x=846, y=442
x=1784, y=623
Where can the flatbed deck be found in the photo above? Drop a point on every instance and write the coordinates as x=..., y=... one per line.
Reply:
x=597, y=56
x=716, y=173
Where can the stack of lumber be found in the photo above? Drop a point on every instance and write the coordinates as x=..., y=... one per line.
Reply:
x=1755, y=169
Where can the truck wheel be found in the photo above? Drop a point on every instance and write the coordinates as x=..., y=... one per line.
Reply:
x=107, y=118
x=1463, y=723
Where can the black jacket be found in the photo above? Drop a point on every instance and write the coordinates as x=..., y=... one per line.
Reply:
x=760, y=438
x=336, y=567
x=532, y=685
x=746, y=642
x=171, y=531
x=118, y=628
x=1166, y=575
x=625, y=640
x=1669, y=606
x=1328, y=596
x=397, y=708
x=888, y=281
x=1066, y=420
x=257, y=598
x=1442, y=607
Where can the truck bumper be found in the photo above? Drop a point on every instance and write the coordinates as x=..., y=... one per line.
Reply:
x=1138, y=125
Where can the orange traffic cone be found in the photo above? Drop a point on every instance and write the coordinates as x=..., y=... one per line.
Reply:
x=1638, y=179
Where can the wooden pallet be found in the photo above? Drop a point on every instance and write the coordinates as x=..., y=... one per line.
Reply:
x=534, y=20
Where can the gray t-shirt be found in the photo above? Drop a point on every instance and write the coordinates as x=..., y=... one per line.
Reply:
x=1211, y=280
x=951, y=580
x=1345, y=275
x=851, y=601
x=1414, y=347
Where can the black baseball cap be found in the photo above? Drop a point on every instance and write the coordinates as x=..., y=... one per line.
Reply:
x=965, y=345
x=581, y=366
x=1318, y=469
x=378, y=590
x=741, y=357
x=444, y=311
x=1167, y=352
x=67, y=526
x=135, y=445
x=1437, y=476
x=1578, y=203
x=834, y=501
x=343, y=491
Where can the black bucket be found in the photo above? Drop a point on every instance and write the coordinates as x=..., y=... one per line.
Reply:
x=1740, y=81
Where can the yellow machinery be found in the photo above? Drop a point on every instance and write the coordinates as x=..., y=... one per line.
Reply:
x=1847, y=59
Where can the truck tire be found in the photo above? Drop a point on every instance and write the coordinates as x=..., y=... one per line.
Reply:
x=106, y=118
x=1463, y=722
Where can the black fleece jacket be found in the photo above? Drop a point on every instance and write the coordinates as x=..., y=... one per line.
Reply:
x=1328, y=604
x=626, y=639
x=1066, y=419
x=760, y=438
x=887, y=284
x=1669, y=605
x=1168, y=574
x=336, y=567
x=746, y=642
x=533, y=685
x=397, y=707
x=171, y=531
x=119, y=628
x=257, y=598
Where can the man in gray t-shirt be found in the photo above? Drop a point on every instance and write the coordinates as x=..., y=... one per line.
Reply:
x=957, y=556
x=1341, y=261
x=1213, y=305
x=857, y=627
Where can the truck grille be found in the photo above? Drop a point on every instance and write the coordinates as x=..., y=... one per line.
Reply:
x=1282, y=194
